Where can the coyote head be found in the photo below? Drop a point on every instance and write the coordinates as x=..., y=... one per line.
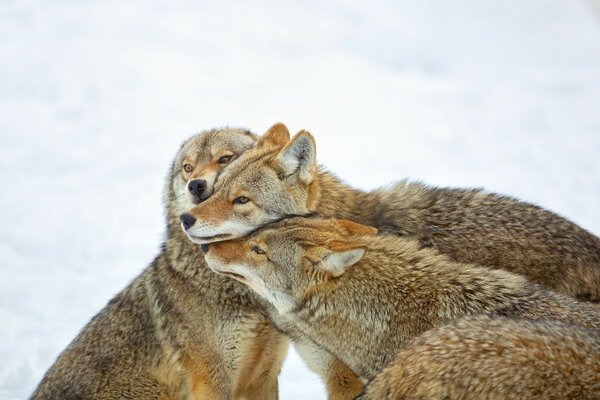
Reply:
x=199, y=162
x=284, y=260
x=273, y=180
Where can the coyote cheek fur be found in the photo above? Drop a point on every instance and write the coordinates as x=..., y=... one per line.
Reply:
x=361, y=296
x=487, y=358
x=280, y=177
x=178, y=331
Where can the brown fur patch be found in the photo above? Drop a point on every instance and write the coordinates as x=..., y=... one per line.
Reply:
x=210, y=170
x=230, y=251
x=342, y=245
x=202, y=385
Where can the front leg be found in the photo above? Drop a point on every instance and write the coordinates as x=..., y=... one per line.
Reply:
x=257, y=377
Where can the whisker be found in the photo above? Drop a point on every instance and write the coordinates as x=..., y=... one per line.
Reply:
x=179, y=196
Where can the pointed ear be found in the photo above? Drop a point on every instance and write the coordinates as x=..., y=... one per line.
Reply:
x=341, y=256
x=298, y=157
x=277, y=135
x=353, y=228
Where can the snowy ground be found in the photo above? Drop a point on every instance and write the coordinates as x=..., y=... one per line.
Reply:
x=95, y=98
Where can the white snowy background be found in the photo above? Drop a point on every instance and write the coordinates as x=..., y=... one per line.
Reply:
x=95, y=98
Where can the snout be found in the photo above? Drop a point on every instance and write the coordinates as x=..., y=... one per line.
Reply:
x=196, y=229
x=208, y=222
x=187, y=221
x=197, y=188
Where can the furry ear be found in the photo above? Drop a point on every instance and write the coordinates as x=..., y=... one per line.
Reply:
x=354, y=228
x=277, y=135
x=341, y=256
x=298, y=157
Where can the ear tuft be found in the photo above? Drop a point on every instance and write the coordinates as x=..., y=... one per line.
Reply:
x=354, y=228
x=299, y=157
x=277, y=135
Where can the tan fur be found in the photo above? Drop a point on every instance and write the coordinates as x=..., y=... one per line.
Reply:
x=492, y=358
x=281, y=178
x=178, y=331
x=363, y=306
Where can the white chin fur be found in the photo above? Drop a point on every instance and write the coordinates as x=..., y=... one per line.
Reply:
x=214, y=264
x=281, y=301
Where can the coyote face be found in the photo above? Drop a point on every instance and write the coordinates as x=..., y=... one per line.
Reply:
x=286, y=259
x=269, y=182
x=200, y=161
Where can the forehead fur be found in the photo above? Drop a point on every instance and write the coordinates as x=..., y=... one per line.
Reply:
x=206, y=144
x=254, y=160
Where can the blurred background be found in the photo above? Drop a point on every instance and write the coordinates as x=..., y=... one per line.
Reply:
x=96, y=97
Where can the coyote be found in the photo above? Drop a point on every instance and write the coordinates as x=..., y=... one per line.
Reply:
x=486, y=358
x=361, y=296
x=178, y=331
x=280, y=177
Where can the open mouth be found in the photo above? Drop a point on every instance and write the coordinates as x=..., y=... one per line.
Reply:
x=208, y=239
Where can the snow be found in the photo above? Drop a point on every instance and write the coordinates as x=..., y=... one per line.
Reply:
x=95, y=98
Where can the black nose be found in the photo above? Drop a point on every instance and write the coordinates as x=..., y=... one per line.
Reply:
x=196, y=188
x=204, y=248
x=187, y=220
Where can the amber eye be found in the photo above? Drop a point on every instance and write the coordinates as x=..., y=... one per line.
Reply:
x=225, y=159
x=241, y=200
x=188, y=168
x=258, y=250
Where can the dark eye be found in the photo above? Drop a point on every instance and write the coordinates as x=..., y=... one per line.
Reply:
x=188, y=168
x=241, y=200
x=258, y=250
x=225, y=159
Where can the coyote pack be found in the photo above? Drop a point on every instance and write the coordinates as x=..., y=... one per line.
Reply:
x=419, y=291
